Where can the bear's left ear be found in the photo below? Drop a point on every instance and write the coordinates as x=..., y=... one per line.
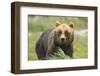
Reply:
x=71, y=25
x=58, y=23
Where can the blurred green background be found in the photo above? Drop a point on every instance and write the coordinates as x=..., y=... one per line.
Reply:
x=38, y=24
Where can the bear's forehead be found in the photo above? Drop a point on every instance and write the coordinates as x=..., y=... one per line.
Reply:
x=63, y=27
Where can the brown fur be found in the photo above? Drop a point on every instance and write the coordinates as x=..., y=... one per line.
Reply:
x=61, y=36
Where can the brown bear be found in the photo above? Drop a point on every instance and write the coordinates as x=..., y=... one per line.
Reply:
x=50, y=41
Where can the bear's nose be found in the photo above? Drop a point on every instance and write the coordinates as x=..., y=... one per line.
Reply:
x=62, y=39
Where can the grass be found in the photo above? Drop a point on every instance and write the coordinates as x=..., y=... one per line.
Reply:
x=33, y=37
x=38, y=24
x=80, y=47
x=42, y=23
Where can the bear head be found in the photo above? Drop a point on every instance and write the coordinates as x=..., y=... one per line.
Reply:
x=64, y=33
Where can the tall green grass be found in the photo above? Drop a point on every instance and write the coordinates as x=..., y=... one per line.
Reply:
x=42, y=23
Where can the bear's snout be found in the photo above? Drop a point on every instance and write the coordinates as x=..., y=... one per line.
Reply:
x=62, y=39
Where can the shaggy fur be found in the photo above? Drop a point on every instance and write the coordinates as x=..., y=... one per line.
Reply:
x=49, y=43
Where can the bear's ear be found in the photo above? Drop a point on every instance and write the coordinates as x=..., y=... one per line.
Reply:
x=71, y=25
x=58, y=23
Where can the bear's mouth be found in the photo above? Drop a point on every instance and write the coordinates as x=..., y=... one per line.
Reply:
x=63, y=43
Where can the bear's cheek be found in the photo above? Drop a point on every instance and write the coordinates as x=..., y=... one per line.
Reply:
x=57, y=37
x=68, y=37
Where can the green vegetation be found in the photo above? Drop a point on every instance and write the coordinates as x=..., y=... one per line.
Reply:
x=42, y=23
x=38, y=24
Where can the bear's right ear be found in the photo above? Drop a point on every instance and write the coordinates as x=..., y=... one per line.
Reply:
x=58, y=23
x=71, y=25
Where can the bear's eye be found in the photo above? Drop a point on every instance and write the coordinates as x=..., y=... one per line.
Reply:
x=59, y=32
x=66, y=33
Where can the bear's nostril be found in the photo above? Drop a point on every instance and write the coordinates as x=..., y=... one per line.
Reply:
x=62, y=39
